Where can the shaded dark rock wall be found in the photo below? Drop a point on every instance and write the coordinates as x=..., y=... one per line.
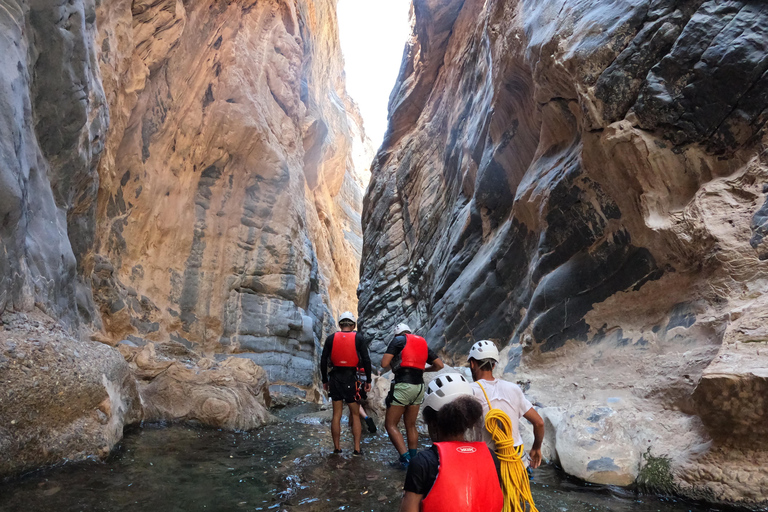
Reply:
x=52, y=125
x=584, y=179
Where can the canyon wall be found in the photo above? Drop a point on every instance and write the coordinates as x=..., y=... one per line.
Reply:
x=585, y=184
x=182, y=180
x=229, y=200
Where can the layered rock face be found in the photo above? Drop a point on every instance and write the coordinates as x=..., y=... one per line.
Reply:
x=229, y=198
x=180, y=178
x=175, y=384
x=583, y=183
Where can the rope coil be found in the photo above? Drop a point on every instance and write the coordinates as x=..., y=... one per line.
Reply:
x=514, y=476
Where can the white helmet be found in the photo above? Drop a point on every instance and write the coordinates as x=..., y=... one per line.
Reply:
x=401, y=328
x=484, y=349
x=347, y=315
x=445, y=389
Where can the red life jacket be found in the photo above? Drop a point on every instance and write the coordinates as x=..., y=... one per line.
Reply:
x=414, y=354
x=344, y=351
x=466, y=480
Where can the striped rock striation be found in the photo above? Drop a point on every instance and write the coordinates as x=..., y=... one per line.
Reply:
x=229, y=200
x=183, y=180
x=585, y=184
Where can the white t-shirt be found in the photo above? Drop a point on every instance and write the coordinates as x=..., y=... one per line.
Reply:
x=506, y=396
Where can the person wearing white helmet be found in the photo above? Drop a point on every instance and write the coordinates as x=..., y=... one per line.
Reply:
x=452, y=474
x=409, y=356
x=346, y=351
x=504, y=395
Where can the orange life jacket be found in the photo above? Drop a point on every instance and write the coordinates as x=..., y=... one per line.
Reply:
x=344, y=351
x=415, y=352
x=466, y=480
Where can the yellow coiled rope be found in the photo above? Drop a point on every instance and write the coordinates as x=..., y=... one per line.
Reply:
x=517, y=486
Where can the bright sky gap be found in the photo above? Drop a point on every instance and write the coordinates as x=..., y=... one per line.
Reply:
x=373, y=35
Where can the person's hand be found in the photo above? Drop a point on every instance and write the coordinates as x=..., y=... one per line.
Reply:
x=367, y=387
x=535, y=455
x=326, y=386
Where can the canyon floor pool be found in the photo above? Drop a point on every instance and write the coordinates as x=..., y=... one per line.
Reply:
x=282, y=467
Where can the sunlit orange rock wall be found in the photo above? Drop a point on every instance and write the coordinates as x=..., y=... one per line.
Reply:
x=228, y=213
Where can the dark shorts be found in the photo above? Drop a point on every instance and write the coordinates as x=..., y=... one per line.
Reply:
x=344, y=386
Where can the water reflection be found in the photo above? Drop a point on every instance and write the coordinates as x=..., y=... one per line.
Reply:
x=288, y=466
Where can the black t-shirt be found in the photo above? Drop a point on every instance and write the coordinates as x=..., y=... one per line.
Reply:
x=422, y=471
x=364, y=360
x=409, y=375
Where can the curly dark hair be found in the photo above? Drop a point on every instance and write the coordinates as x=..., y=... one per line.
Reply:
x=456, y=417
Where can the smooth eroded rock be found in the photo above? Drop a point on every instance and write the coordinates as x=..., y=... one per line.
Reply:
x=61, y=399
x=231, y=394
x=583, y=183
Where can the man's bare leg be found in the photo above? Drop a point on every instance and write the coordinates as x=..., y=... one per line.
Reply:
x=354, y=419
x=338, y=409
x=412, y=433
x=394, y=413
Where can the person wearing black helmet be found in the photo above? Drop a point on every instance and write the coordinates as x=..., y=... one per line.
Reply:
x=345, y=350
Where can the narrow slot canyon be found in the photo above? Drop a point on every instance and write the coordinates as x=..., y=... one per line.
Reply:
x=191, y=195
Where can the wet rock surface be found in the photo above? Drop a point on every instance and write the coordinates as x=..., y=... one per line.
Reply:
x=583, y=183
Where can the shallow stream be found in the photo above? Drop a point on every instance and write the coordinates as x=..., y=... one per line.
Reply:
x=282, y=467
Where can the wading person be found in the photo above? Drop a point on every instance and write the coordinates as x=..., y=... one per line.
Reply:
x=362, y=385
x=345, y=350
x=409, y=357
x=452, y=475
x=503, y=405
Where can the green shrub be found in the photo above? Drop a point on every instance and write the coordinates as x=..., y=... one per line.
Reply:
x=656, y=475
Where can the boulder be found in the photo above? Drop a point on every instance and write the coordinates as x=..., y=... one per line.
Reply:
x=61, y=399
x=231, y=394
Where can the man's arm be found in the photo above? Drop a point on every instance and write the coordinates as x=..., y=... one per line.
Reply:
x=436, y=366
x=394, y=348
x=327, y=347
x=538, y=436
x=411, y=502
x=363, y=356
x=435, y=363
